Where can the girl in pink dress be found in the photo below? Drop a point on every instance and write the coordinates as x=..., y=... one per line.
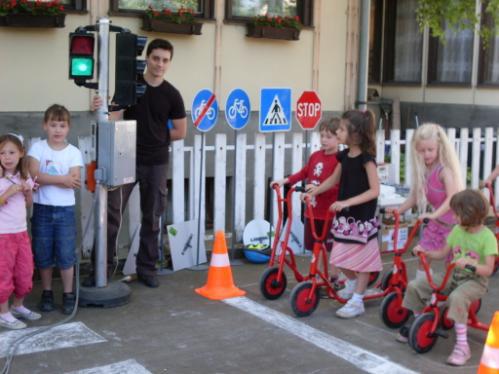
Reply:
x=436, y=177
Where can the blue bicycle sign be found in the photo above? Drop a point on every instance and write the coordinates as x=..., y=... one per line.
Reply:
x=237, y=109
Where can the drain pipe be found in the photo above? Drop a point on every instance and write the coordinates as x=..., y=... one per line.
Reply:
x=365, y=10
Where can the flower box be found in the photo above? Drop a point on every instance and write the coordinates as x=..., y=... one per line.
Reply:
x=158, y=25
x=269, y=32
x=30, y=20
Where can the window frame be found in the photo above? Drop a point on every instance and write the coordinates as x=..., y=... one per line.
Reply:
x=388, y=68
x=305, y=10
x=485, y=19
x=433, y=47
x=375, y=61
x=207, y=10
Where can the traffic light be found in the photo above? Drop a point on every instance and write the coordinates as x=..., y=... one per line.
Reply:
x=129, y=83
x=81, y=56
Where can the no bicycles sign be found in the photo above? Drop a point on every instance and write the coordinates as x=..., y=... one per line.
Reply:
x=237, y=109
x=204, y=110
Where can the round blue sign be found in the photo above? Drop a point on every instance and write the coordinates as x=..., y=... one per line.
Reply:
x=237, y=109
x=204, y=111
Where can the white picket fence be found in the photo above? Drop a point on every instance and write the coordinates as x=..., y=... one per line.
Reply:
x=251, y=177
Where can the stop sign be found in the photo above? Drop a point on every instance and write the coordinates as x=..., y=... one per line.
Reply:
x=308, y=110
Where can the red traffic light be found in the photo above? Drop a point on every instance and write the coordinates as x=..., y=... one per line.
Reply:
x=82, y=44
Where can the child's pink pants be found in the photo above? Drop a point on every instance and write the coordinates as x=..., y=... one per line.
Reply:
x=16, y=265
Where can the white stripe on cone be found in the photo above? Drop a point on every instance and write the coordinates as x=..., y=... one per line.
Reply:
x=490, y=357
x=219, y=260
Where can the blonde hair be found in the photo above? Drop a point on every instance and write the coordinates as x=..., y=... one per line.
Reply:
x=447, y=157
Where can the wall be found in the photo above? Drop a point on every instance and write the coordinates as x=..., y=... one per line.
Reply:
x=35, y=63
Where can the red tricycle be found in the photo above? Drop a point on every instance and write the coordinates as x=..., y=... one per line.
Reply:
x=273, y=281
x=305, y=295
x=494, y=209
x=429, y=325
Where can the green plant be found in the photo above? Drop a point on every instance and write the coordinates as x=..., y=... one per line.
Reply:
x=278, y=22
x=36, y=8
x=182, y=16
x=457, y=15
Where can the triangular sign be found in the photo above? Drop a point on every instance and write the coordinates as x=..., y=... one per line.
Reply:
x=275, y=115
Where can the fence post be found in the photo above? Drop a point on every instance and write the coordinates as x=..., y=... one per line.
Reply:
x=178, y=178
x=475, y=158
x=259, y=183
x=463, y=153
x=240, y=181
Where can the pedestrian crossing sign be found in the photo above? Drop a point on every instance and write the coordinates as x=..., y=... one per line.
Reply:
x=275, y=109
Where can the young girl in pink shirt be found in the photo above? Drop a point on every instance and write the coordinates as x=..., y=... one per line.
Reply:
x=16, y=257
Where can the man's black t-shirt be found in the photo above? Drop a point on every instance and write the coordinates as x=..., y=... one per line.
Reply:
x=152, y=112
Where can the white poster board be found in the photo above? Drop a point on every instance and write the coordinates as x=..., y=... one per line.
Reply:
x=258, y=231
x=296, y=236
x=183, y=241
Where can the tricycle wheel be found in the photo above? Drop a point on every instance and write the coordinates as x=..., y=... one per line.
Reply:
x=303, y=302
x=393, y=314
x=270, y=287
x=421, y=338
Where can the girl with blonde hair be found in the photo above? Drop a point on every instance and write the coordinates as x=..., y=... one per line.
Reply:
x=436, y=177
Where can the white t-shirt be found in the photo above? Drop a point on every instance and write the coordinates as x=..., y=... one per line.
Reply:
x=55, y=162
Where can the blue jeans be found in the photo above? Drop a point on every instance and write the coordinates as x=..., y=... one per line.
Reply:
x=53, y=229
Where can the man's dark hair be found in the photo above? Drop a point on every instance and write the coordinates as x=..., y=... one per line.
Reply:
x=161, y=44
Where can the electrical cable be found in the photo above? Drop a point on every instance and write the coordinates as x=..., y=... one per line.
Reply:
x=15, y=345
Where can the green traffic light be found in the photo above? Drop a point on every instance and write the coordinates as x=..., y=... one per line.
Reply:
x=82, y=67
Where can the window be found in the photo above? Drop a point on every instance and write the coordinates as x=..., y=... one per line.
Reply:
x=403, y=43
x=488, y=72
x=241, y=10
x=203, y=8
x=375, y=36
x=451, y=61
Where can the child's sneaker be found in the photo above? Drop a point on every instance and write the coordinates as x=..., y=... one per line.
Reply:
x=68, y=303
x=351, y=309
x=8, y=321
x=459, y=356
x=25, y=313
x=47, y=301
x=403, y=335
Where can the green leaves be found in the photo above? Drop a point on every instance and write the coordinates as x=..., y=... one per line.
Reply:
x=438, y=15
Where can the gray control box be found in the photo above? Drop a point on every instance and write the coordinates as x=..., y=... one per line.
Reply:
x=116, y=152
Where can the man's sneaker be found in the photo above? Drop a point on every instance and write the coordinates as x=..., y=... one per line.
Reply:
x=26, y=314
x=68, y=303
x=13, y=325
x=351, y=309
x=149, y=280
x=47, y=301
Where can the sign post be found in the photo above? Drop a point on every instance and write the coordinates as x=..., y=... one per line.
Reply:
x=204, y=114
x=237, y=114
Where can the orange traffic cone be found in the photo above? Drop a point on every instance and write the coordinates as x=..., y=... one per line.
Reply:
x=489, y=364
x=220, y=284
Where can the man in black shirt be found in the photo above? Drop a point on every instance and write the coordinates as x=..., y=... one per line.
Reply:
x=161, y=102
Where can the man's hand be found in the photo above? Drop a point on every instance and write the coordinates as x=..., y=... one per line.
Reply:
x=97, y=102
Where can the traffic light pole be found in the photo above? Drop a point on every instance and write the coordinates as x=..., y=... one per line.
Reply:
x=101, y=190
x=115, y=293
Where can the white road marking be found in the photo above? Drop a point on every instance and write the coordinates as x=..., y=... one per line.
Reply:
x=365, y=360
x=63, y=336
x=122, y=367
